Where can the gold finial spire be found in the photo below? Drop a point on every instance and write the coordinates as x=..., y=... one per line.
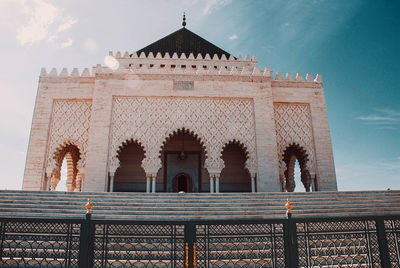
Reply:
x=89, y=206
x=288, y=207
x=184, y=20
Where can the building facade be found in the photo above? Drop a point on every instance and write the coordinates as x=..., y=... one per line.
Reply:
x=179, y=115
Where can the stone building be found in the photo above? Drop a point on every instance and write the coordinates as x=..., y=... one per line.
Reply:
x=179, y=115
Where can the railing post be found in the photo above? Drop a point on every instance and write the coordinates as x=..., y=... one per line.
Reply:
x=86, y=241
x=190, y=245
x=383, y=243
x=290, y=239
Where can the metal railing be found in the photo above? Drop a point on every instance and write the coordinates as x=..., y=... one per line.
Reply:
x=291, y=242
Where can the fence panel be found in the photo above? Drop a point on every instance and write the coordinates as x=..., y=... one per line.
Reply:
x=139, y=245
x=345, y=243
x=392, y=228
x=32, y=243
x=240, y=245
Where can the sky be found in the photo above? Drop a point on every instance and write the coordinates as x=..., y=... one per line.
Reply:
x=354, y=44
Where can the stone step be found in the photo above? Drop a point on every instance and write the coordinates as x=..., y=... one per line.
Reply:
x=202, y=195
x=196, y=205
x=104, y=206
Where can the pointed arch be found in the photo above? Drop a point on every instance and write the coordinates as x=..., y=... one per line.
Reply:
x=181, y=131
x=183, y=151
x=235, y=176
x=72, y=153
x=129, y=175
x=292, y=153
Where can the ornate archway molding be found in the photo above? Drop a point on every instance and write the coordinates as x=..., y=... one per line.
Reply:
x=293, y=125
x=292, y=152
x=213, y=120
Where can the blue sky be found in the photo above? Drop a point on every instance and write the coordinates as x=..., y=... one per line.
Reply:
x=354, y=44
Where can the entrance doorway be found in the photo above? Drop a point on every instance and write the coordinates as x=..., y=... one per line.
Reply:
x=182, y=183
x=183, y=154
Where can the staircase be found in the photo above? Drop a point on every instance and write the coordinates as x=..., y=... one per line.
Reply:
x=197, y=206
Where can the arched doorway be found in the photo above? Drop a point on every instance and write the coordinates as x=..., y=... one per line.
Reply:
x=130, y=176
x=295, y=154
x=182, y=155
x=182, y=183
x=234, y=176
x=65, y=176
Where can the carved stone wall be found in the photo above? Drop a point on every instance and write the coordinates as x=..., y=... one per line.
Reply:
x=69, y=125
x=294, y=126
x=150, y=120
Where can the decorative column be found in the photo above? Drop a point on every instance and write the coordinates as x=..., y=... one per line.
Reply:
x=211, y=183
x=153, y=185
x=282, y=180
x=54, y=182
x=253, y=182
x=217, y=182
x=148, y=182
x=112, y=175
x=79, y=179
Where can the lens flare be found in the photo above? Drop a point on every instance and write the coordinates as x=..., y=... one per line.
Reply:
x=111, y=62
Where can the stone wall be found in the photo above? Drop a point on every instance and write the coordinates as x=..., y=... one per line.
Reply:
x=225, y=100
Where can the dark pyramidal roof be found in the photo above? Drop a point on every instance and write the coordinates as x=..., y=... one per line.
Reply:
x=183, y=41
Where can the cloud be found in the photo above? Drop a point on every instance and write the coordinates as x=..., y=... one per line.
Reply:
x=90, y=45
x=233, y=37
x=66, y=25
x=376, y=118
x=383, y=118
x=44, y=23
x=389, y=112
x=67, y=43
x=212, y=5
x=41, y=16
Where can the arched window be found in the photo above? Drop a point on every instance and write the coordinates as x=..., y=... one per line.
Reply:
x=293, y=180
x=64, y=176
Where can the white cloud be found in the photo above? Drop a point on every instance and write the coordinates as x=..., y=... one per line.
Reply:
x=44, y=23
x=41, y=16
x=66, y=25
x=67, y=43
x=383, y=118
x=233, y=37
x=389, y=112
x=90, y=45
x=376, y=118
x=212, y=5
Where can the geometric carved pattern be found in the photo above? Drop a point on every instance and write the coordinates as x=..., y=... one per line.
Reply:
x=69, y=125
x=338, y=244
x=150, y=121
x=293, y=126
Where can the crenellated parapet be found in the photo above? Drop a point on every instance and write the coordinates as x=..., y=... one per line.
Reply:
x=128, y=60
x=193, y=65
x=65, y=73
x=298, y=78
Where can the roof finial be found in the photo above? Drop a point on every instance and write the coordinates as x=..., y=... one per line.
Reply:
x=184, y=20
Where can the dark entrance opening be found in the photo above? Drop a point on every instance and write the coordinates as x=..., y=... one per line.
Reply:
x=130, y=176
x=183, y=155
x=182, y=183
